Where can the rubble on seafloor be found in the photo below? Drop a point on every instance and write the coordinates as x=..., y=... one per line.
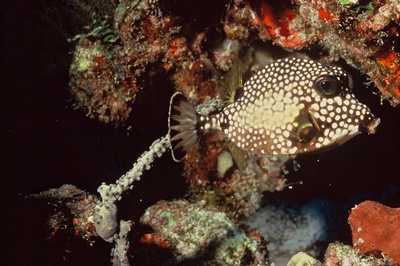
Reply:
x=112, y=64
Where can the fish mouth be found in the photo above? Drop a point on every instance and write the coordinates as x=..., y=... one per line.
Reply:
x=348, y=136
x=371, y=127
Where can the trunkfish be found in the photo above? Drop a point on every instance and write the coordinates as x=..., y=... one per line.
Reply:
x=291, y=106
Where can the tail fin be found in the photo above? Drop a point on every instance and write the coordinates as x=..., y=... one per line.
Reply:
x=182, y=124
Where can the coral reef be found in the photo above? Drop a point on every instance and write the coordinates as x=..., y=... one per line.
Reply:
x=360, y=34
x=363, y=35
x=140, y=36
x=100, y=84
x=375, y=229
x=114, y=61
x=111, y=60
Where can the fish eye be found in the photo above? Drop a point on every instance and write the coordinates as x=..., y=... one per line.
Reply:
x=327, y=85
x=306, y=133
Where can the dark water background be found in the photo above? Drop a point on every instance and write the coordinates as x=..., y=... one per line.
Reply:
x=48, y=144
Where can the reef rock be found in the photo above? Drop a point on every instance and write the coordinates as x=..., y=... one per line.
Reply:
x=376, y=228
x=187, y=227
x=193, y=231
x=303, y=259
x=338, y=254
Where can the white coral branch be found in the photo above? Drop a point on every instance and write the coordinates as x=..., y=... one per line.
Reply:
x=105, y=213
x=120, y=251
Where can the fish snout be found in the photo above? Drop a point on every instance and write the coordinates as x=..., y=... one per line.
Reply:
x=370, y=124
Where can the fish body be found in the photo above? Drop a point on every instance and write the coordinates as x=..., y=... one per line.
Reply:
x=291, y=106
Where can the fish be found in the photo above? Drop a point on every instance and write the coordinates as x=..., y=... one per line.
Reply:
x=290, y=106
